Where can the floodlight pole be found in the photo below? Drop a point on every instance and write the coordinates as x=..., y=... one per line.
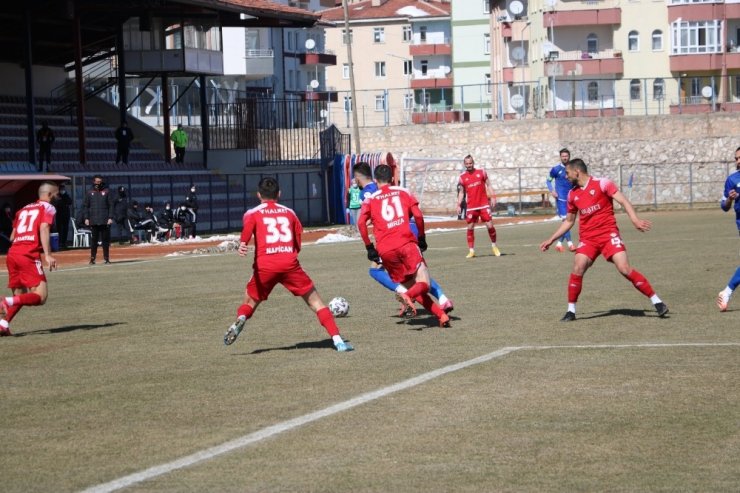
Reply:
x=348, y=41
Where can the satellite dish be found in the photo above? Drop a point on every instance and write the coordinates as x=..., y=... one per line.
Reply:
x=517, y=101
x=310, y=44
x=323, y=113
x=517, y=53
x=707, y=91
x=314, y=84
x=446, y=70
x=516, y=7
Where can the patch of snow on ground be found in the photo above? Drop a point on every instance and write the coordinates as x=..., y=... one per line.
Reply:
x=335, y=238
x=191, y=241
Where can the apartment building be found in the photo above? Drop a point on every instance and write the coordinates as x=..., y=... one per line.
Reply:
x=471, y=56
x=402, y=57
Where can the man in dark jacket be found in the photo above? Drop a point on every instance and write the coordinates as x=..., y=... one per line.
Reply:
x=45, y=138
x=120, y=215
x=124, y=136
x=98, y=213
x=62, y=203
x=191, y=202
x=184, y=218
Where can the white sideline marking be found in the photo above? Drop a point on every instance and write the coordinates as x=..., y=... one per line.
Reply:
x=276, y=429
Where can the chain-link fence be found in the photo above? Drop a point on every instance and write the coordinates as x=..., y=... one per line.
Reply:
x=434, y=182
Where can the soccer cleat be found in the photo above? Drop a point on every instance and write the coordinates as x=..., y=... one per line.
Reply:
x=409, y=310
x=572, y=247
x=447, y=306
x=92, y=261
x=568, y=317
x=722, y=301
x=662, y=309
x=343, y=347
x=234, y=331
x=444, y=321
x=5, y=332
x=471, y=254
x=560, y=248
x=496, y=251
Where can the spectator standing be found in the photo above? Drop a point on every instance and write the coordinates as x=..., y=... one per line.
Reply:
x=180, y=140
x=191, y=202
x=354, y=202
x=98, y=214
x=124, y=136
x=62, y=203
x=120, y=215
x=45, y=138
x=6, y=227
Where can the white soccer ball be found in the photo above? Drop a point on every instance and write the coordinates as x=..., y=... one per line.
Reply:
x=339, y=307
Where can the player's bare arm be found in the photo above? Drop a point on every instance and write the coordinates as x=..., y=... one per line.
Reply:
x=491, y=193
x=242, y=249
x=640, y=224
x=565, y=226
x=44, y=234
x=460, y=196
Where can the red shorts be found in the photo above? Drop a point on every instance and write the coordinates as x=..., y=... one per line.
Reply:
x=24, y=271
x=607, y=245
x=402, y=262
x=471, y=217
x=295, y=280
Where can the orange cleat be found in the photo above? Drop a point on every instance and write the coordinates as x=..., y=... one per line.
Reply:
x=409, y=310
x=444, y=321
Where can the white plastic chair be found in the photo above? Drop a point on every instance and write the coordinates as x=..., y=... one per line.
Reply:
x=81, y=237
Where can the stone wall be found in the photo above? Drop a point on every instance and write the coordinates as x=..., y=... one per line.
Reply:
x=673, y=159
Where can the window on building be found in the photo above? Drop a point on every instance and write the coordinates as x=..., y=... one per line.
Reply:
x=380, y=102
x=408, y=67
x=407, y=34
x=658, y=89
x=657, y=40
x=593, y=91
x=380, y=69
x=345, y=38
x=592, y=43
x=633, y=41
x=486, y=6
x=737, y=87
x=423, y=34
x=487, y=44
x=408, y=101
x=378, y=35
x=299, y=80
x=291, y=79
x=290, y=40
x=696, y=87
x=424, y=67
x=345, y=71
x=635, y=90
x=347, y=104
x=696, y=37
x=487, y=80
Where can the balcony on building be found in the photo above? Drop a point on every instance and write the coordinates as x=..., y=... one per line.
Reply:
x=700, y=10
x=329, y=94
x=564, y=15
x=432, y=81
x=259, y=63
x=570, y=63
x=321, y=58
x=428, y=47
x=191, y=46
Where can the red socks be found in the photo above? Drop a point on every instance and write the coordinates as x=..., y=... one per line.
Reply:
x=326, y=319
x=26, y=299
x=471, y=238
x=430, y=305
x=641, y=283
x=245, y=310
x=575, y=284
x=417, y=290
x=12, y=312
x=492, y=234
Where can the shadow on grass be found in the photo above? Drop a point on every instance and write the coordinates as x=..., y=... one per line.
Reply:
x=625, y=312
x=322, y=344
x=68, y=328
x=424, y=320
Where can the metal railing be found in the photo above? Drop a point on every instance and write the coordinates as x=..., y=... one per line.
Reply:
x=260, y=54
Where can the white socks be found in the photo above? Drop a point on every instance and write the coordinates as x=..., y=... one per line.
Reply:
x=654, y=299
x=572, y=307
x=337, y=339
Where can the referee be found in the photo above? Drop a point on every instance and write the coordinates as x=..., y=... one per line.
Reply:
x=97, y=210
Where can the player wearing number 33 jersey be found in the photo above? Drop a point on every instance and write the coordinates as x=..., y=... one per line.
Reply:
x=30, y=237
x=277, y=241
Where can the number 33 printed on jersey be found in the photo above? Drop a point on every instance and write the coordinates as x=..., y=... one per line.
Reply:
x=278, y=230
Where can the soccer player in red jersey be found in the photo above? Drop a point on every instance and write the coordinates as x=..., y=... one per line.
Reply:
x=26, y=278
x=593, y=198
x=475, y=188
x=277, y=242
x=389, y=210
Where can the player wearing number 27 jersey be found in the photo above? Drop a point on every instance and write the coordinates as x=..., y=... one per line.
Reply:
x=30, y=237
x=277, y=241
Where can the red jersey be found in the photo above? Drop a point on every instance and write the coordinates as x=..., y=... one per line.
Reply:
x=474, y=183
x=27, y=227
x=595, y=205
x=277, y=236
x=389, y=209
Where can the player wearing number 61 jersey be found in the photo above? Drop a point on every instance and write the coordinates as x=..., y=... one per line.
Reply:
x=26, y=278
x=389, y=210
x=277, y=241
x=592, y=199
